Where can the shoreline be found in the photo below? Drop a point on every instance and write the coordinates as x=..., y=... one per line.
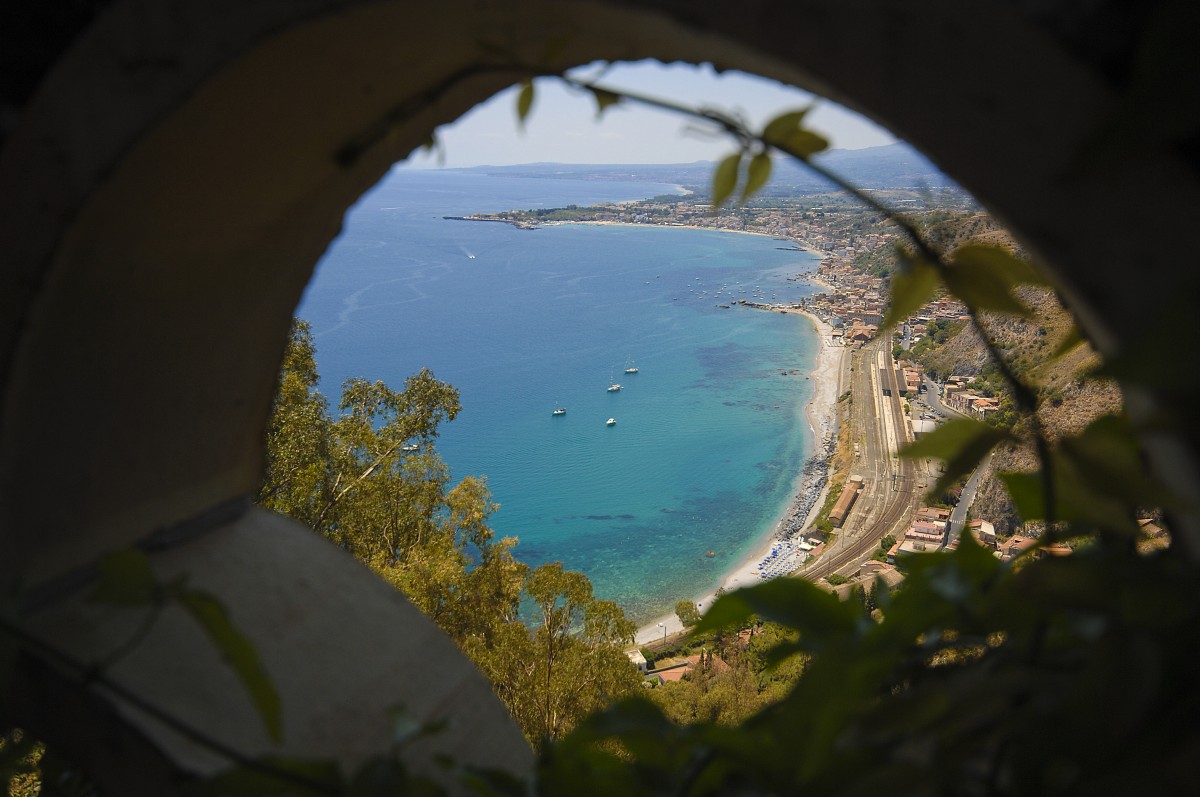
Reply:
x=811, y=484
x=807, y=496
x=796, y=245
x=533, y=225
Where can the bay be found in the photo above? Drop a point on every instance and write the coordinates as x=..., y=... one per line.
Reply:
x=710, y=432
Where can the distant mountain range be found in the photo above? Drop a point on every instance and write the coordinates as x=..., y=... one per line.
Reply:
x=895, y=166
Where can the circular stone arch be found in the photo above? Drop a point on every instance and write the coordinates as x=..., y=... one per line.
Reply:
x=170, y=186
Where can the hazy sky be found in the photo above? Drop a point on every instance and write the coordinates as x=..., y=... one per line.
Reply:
x=562, y=126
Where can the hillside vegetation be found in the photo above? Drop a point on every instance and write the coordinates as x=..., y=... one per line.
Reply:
x=1071, y=396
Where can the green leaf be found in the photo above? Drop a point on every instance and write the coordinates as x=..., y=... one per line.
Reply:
x=1072, y=339
x=604, y=99
x=1027, y=493
x=757, y=174
x=1107, y=457
x=126, y=579
x=273, y=775
x=725, y=179
x=819, y=616
x=980, y=291
x=625, y=717
x=912, y=286
x=961, y=443
x=782, y=126
x=494, y=782
x=1151, y=358
x=1074, y=501
x=1099, y=479
x=239, y=652
x=16, y=749
x=983, y=278
x=804, y=144
x=524, y=102
x=786, y=134
x=999, y=260
x=781, y=653
x=960, y=576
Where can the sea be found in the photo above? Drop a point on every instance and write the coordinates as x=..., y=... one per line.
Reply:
x=710, y=433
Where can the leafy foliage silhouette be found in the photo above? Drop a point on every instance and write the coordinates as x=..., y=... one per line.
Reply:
x=1051, y=675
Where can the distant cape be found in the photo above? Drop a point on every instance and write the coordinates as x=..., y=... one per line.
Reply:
x=892, y=166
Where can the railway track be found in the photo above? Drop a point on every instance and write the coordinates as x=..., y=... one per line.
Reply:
x=894, y=487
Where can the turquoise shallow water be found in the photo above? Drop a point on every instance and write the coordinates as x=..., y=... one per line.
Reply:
x=709, y=435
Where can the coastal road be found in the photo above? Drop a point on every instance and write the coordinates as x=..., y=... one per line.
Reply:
x=933, y=397
x=958, y=517
x=893, y=487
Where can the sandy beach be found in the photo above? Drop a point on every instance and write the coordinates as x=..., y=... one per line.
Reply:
x=807, y=498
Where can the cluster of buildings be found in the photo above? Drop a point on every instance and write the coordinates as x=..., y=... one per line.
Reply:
x=930, y=529
x=855, y=302
x=831, y=231
x=910, y=374
x=958, y=395
x=1009, y=549
x=837, y=515
x=673, y=669
x=941, y=309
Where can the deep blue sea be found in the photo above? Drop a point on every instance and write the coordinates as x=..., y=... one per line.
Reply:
x=710, y=432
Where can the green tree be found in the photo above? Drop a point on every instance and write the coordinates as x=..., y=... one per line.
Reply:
x=687, y=613
x=371, y=481
x=722, y=694
x=578, y=644
x=299, y=436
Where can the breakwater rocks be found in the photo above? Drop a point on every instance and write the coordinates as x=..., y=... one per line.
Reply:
x=813, y=478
